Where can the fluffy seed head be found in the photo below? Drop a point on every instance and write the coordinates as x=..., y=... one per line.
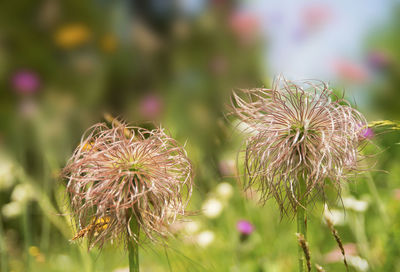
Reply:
x=122, y=173
x=298, y=132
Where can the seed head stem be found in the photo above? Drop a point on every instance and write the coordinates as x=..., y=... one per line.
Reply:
x=133, y=247
x=302, y=219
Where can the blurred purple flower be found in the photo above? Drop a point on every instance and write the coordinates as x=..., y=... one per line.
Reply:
x=150, y=106
x=25, y=81
x=367, y=133
x=244, y=227
x=377, y=59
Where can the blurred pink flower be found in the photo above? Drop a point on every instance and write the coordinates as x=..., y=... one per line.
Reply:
x=336, y=255
x=316, y=15
x=244, y=227
x=367, y=133
x=350, y=71
x=244, y=25
x=25, y=81
x=151, y=106
x=227, y=167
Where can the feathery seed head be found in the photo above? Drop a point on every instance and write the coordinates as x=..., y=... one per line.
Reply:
x=122, y=173
x=298, y=132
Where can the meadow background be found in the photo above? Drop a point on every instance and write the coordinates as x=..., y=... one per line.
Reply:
x=63, y=64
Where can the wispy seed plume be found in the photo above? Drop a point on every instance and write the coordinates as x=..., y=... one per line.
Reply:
x=298, y=131
x=124, y=173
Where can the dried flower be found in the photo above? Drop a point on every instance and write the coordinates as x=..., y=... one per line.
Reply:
x=298, y=132
x=123, y=173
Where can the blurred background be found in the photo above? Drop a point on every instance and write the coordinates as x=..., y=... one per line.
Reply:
x=63, y=64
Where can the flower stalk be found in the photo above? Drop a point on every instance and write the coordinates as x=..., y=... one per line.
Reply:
x=302, y=219
x=127, y=184
x=302, y=139
x=133, y=247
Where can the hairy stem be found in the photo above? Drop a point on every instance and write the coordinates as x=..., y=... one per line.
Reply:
x=133, y=247
x=302, y=220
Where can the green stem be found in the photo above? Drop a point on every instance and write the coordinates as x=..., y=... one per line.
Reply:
x=302, y=220
x=26, y=222
x=3, y=248
x=133, y=247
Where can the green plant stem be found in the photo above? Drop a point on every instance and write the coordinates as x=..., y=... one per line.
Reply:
x=302, y=220
x=133, y=247
x=26, y=222
x=3, y=249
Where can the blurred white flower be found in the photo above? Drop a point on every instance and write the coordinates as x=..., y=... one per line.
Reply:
x=6, y=173
x=126, y=269
x=205, y=238
x=337, y=217
x=191, y=227
x=358, y=262
x=354, y=204
x=22, y=193
x=212, y=207
x=224, y=190
x=12, y=209
x=63, y=260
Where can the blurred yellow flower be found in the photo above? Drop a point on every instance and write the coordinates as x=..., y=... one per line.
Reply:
x=72, y=35
x=97, y=226
x=87, y=146
x=34, y=251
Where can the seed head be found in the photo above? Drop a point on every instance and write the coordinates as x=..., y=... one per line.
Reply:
x=122, y=173
x=298, y=132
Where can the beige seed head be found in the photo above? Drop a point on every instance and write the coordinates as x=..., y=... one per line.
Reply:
x=297, y=131
x=122, y=173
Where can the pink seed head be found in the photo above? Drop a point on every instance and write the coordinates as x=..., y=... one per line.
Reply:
x=297, y=131
x=122, y=173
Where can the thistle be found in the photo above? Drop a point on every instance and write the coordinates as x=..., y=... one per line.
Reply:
x=123, y=181
x=303, y=138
